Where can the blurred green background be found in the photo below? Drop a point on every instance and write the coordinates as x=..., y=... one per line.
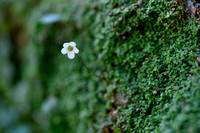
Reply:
x=148, y=54
x=42, y=90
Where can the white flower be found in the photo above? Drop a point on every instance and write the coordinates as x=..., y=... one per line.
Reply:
x=70, y=49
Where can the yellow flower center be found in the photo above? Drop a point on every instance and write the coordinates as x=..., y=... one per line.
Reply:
x=70, y=48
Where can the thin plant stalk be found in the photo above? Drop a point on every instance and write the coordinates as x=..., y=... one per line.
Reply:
x=90, y=72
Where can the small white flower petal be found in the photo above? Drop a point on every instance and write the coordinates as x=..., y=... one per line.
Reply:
x=65, y=45
x=64, y=50
x=71, y=54
x=75, y=50
x=73, y=44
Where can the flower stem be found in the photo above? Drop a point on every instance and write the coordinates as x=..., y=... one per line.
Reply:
x=138, y=3
x=91, y=73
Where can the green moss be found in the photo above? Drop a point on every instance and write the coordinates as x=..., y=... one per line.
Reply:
x=183, y=113
x=147, y=53
x=145, y=50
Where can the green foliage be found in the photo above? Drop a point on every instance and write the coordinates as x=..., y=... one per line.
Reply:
x=183, y=115
x=147, y=53
x=42, y=90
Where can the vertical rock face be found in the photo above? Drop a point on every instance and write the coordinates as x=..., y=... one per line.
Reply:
x=193, y=9
x=147, y=50
x=144, y=53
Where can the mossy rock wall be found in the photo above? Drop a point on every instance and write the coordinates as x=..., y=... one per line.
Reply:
x=146, y=51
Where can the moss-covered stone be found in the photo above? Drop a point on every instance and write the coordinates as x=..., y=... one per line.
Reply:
x=147, y=51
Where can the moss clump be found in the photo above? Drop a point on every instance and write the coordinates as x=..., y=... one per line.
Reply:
x=147, y=52
x=183, y=113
